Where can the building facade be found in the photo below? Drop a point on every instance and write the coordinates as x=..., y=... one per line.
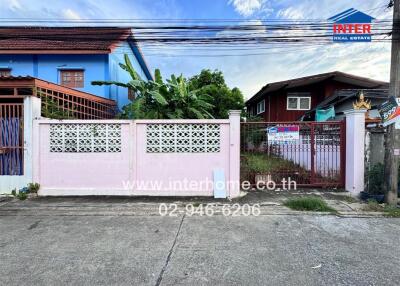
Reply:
x=72, y=57
x=291, y=100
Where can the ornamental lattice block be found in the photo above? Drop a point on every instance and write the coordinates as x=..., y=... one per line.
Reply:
x=183, y=138
x=85, y=138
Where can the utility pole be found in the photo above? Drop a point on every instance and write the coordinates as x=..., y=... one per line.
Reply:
x=392, y=135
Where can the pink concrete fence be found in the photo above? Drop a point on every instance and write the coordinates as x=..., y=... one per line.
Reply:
x=140, y=157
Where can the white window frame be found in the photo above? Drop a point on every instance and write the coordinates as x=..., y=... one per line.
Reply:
x=262, y=104
x=298, y=96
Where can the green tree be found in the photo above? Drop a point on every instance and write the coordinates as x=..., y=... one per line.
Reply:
x=157, y=99
x=222, y=97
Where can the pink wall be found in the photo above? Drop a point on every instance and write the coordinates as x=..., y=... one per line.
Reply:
x=80, y=173
x=167, y=168
x=134, y=171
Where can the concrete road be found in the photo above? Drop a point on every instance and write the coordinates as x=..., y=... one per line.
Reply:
x=153, y=250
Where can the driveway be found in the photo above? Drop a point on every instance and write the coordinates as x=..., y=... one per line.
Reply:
x=46, y=247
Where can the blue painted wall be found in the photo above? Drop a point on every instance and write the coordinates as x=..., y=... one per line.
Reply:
x=120, y=94
x=96, y=67
x=48, y=67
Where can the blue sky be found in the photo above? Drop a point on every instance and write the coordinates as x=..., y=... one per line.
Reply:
x=248, y=72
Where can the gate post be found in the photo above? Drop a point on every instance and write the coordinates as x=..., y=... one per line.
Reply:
x=32, y=110
x=355, y=145
x=234, y=153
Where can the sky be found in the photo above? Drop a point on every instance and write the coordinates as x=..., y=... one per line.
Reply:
x=249, y=71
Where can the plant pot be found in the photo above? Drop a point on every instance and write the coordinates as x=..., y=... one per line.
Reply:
x=380, y=198
x=364, y=196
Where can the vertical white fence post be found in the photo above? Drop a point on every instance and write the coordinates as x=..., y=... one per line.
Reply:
x=355, y=146
x=32, y=110
x=234, y=153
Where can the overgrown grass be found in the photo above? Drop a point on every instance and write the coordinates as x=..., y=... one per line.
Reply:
x=252, y=164
x=389, y=211
x=309, y=204
x=262, y=163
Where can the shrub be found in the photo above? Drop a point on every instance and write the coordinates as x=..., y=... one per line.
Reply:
x=375, y=178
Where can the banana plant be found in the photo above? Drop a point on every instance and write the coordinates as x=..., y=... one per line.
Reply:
x=157, y=99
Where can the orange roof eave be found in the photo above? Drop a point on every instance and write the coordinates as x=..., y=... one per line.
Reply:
x=32, y=82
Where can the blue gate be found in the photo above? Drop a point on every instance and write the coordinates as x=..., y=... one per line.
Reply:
x=11, y=139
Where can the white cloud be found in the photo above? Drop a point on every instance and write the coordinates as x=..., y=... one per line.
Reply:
x=291, y=13
x=70, y=14
x=14, y=5
x=246, y=7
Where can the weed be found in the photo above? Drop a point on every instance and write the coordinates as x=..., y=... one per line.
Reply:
x=392, y=211
x=349, y=199
x=309, y=204
x=389, y=211
x=22, y=196
x=33, y=188
x=373, y=206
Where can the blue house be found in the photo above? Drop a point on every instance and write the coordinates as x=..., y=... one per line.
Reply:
x=73, y=57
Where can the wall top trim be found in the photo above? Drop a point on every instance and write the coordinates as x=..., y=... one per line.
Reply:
x=80, y=121
x=355, y=111
x=182, y=121
x=138, y=121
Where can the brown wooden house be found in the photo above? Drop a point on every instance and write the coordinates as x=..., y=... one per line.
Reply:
x=291, y=99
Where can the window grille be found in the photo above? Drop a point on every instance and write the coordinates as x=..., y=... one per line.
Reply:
x=298, y=101
x=72, y=78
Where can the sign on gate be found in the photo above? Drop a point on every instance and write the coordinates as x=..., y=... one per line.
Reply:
x=283, y=134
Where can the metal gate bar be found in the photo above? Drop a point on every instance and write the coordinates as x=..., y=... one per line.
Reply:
x=316, y=159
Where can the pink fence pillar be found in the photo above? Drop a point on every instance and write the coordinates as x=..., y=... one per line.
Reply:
x=234, y=153
x=355, y=144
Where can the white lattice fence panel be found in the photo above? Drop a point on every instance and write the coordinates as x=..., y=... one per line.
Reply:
x=183, y=138
x=85, y=137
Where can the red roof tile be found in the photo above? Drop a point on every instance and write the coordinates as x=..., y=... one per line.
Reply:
x=61, y=39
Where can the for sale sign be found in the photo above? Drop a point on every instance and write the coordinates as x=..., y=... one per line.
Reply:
x=283, y=134
x=389, y=111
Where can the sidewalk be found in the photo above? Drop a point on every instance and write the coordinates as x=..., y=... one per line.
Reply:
x=271, y=203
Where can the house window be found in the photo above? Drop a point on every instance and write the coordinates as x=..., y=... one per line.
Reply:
x=72, y=78
x=131, y=94
x=261, y=106
x=298, y=101
x=5, y=72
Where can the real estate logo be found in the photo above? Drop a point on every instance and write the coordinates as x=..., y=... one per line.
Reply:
x=351, y=26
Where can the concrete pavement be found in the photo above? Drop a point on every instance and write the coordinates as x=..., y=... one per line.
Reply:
x=49, y=247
